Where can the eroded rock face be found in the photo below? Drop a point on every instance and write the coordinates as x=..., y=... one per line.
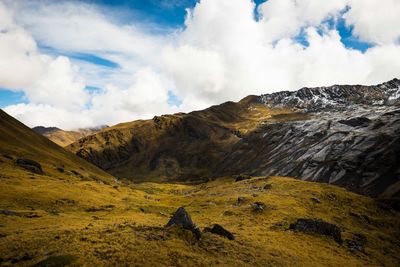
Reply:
x=316, y=226
x=364, y=158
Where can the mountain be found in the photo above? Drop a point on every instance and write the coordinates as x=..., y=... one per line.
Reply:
x=57, y=209
x=342, y=134
x=64, y=138
x=171, y=147
x=18, y=143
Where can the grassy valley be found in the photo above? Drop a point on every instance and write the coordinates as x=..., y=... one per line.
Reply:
x=90, y=223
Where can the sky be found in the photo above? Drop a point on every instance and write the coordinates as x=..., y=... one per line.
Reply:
x=73, y=64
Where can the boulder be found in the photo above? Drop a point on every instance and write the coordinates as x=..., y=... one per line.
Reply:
x=258, y=206
x=183, y=219
x=316, y=200
x=357, y=243
x=241, y=177
x=30, y=165
x=317, y=226
x=219, y=230
x=240, y=201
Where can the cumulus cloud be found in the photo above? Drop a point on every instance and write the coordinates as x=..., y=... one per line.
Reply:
x=375, y=21
x=221, y=53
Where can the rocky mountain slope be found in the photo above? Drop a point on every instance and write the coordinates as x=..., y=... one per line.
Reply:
x=344, y=134
x=64, y=138
x=350, y=138
x=185, y=147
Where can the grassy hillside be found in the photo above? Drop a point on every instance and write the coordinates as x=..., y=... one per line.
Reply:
x=93, y=224
x=19, y=141
x=175, y=147
x=74, y=214
x=64, y=138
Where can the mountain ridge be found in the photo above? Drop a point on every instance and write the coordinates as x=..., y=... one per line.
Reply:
x=218, y=140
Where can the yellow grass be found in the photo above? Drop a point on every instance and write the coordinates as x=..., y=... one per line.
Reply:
x=132, y=231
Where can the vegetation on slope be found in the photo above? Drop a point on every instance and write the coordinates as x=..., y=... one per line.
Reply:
x=64, y=138
x=18, y=141
x=173, y=147
x=53, y=220
x=57, y=210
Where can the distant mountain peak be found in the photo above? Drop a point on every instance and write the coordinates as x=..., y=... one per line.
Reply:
x=44, y=130
x=317, y=98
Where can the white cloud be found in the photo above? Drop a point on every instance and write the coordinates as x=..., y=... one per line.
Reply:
x=223, y=53
x=375, y=21
x=285, y=18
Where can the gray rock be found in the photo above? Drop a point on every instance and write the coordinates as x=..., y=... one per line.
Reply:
x=29, y=165
x=258, y=206
x=183, y=219
x=316, y=226
x=219, y=230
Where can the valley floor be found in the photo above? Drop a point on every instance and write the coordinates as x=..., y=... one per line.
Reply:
x=53, y=222
x=56, y=222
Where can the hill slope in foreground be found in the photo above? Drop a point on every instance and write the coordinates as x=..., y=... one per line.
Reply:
x=58, y=218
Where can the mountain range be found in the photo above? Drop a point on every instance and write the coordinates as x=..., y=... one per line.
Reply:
x=347, y=135
x=206, y=188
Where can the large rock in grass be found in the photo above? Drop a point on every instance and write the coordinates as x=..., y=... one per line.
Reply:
x=219, y=230
x=182, y=218
x=316, y=226
x=30, y=165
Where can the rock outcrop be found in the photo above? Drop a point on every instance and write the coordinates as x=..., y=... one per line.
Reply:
x=320, y=227
x=183, y=219
x=221, y=231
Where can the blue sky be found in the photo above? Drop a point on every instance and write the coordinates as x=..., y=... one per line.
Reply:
x=167, y=15
x=90, y=62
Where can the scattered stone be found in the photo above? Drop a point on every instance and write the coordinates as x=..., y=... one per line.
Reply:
x=317, y=226
x=240, y=201
x=8, y=156
x=30, y=165
x=219, y=230
x=258, y=206
x=267, y=187
x=362, y=218
x=26, y=257
x=9, y=213
x=279, y=226
x=182, y=218
x=53, y=212
x=316, y=200
x=144, y=210
x=60, y=169
x=101, y=208
x=228, y=213
x=241, y=177
x=3, y=235
x=356, y=244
